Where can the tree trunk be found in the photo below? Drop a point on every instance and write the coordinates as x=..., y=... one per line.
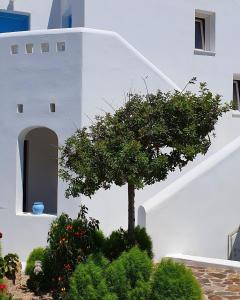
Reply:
x=131, y=211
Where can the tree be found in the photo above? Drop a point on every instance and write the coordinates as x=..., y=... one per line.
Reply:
x=140, y=143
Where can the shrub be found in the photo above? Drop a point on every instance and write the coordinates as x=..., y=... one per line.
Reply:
x=119, y=241
x=11, y=266
x=36, y=255
x=88, y=281
x=70, y=241
x=129, y=276
x=172, y=281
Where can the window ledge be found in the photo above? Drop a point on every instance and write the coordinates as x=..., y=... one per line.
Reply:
x=204, y=52
x=236, y=114
x=29, y=215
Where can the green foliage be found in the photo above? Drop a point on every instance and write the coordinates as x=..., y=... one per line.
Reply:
x=141, y=142
x=70, y=241
x=129, y=145
x=172, y=281
x=234, y=105
x=37, y=254
x=129, y=276
x=143, y=240
x=2, y=267
x=11, y=265
x=88, y=282
x=119, y=242
x=8, y=266
x=36, y=282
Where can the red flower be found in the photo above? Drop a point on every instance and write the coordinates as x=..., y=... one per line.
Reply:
x=3, y=287
x=69, y=227
x=67, y=266
x=1, y=235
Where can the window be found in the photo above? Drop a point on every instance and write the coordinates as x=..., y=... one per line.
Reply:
x=14, y=49
x=236, y=94
x=20, y=108
x=45, y=47
x=204, y=32
x=61, y=46
x=29, y=48
x=52, y=107
x=200, y=33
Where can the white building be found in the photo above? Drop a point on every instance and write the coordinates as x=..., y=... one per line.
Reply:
x=54, y=78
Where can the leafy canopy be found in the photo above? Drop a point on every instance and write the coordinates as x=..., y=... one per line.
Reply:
x=141, y=142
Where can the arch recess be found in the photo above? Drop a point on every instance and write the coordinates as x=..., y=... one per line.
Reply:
x=37, y=177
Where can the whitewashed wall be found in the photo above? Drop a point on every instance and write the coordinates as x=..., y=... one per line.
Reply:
x=195, y=214
x=34, y=80
x=163, y=31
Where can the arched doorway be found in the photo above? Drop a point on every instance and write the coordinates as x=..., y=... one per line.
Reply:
x=40, y=169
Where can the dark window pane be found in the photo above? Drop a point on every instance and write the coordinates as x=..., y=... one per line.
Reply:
x=234, y=92
x=199, y=33
x=236, y=96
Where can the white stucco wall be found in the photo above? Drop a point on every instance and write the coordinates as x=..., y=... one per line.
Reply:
x=34, y=80
x=163, y=31
x=195, y=214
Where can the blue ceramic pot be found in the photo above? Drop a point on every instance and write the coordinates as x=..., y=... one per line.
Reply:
x=37, y=208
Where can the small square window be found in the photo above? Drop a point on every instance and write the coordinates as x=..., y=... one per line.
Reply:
x=29, y=48
x=20, y=108
x=204, y=32
x=14, y=49
x=45, y=47
x=61, y=46
x=52, y=107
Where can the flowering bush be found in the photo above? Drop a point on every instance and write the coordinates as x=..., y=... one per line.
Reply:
x=70, y=241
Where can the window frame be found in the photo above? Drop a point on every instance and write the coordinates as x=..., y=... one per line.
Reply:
x=202, y=22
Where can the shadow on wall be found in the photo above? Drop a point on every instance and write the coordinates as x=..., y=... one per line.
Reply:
x=235, y=253
x=55, y=15
x=10, y=5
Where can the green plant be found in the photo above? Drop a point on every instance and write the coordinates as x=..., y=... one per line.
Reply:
x=129, y=146
x=37, y=254
x=88, y=281
x=70, y=241
x=11, y=262
x=119, y=241
x=129, y=276
x=2, y=267
x=172, y=281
